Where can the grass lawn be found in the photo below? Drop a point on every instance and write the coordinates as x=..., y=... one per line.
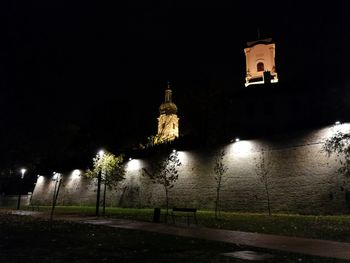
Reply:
x=26, y=239
x=322, y=227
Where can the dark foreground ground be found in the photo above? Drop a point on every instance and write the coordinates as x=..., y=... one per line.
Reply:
x=331, y=227
x=27, y=239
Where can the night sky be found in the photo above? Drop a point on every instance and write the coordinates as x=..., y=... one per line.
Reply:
x=79, y=75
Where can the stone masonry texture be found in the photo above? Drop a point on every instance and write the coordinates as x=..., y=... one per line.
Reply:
x=301, y=179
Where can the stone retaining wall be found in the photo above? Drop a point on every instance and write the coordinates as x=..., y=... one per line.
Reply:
x=302, y=179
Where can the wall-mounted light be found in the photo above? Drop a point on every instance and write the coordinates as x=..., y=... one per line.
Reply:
x=237, y=140
x=55, y=176
x=76, y=173
x=130, y=159
x=337, y=123
x=174, y=151
x=22, y=173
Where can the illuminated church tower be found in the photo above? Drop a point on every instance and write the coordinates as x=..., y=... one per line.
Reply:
x=168, y=122
x=260, y=62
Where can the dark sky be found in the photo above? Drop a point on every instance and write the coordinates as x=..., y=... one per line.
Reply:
x=84, y=74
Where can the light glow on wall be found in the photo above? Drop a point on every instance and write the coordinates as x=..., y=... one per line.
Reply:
x=133, y=165
x=240, y=147
x=40, y=179
x=183, y=157
x=76, y=173
x=340, y=127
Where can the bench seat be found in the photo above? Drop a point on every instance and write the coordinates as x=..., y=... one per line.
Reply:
x=184, y=212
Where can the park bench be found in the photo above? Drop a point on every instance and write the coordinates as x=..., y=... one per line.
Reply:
x=184, y=212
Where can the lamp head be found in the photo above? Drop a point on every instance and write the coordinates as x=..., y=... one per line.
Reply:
x=23, y=171
x=101, y=153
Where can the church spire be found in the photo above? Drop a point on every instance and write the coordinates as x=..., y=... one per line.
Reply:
x=168, y=122
x=168, y=94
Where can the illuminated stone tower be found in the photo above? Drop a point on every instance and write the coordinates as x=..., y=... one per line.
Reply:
x=260, y=62
x=168, y=122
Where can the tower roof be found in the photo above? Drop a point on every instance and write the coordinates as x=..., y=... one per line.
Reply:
x=168, y=107
x=260, y=41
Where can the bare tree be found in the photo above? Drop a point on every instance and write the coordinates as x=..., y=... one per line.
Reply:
x=339, y=144
x=164, y=171
x=219, y=171
x=262, y=171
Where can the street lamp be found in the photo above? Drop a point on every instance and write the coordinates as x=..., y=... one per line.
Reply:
x=99, y=178
x=23, y=171
x=58, y=180
x=20, y=188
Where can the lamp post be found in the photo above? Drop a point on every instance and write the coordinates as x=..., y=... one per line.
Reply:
x=20, y=188
x=104, y=193
x=99, y=177
x=58, y=180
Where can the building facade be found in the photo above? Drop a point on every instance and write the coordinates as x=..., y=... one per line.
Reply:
x=260, y=62
x=168, y=122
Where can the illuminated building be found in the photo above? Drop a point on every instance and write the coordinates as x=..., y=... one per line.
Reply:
x=260, y=62
x=168, y=122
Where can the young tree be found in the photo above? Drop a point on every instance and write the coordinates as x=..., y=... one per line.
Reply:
x=339, y=144
x=164, y=171
x=262, y=171
x=219, y=171
x=111, y=170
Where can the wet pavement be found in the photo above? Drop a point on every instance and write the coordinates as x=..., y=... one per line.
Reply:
x=315, y=247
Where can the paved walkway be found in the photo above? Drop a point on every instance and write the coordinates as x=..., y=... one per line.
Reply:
x=315, y=247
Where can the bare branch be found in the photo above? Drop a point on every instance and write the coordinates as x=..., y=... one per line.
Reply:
x=339, y=145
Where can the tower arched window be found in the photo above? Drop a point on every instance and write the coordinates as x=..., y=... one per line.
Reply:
x=260, y=67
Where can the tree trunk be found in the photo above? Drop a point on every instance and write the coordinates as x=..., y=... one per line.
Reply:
x=167, y=201
x=55, y=196
x=268, y=199
x=98, y=193
x=19, y=194
x=217, y=202
x=104, y=200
